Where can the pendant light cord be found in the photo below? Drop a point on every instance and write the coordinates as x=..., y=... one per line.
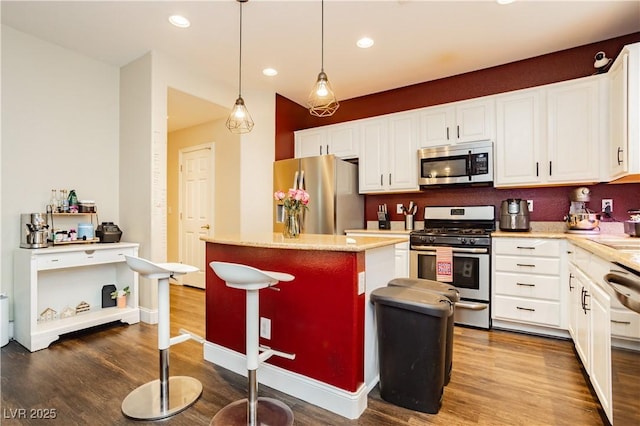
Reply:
x=240, y=57
x=322, y=39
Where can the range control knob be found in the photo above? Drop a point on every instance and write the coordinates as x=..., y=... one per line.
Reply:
x=472, y=240
x=432, y=239
x=463, y=240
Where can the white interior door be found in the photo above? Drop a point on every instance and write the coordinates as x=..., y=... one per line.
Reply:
x=196, y=208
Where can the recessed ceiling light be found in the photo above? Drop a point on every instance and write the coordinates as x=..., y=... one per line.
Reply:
x=270, y=72
x=505, y=1
x=179, y=21
x=365, y=42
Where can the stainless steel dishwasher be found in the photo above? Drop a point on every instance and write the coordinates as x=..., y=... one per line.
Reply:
x=625, y=356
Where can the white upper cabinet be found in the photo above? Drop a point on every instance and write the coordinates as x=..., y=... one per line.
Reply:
x=550, y=135
x=388, y=154
x=459, y=122
x=573, y=129
x=624, y=110
x=518, y=138
x=340, y=140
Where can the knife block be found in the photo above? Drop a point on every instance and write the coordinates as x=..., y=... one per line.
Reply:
x=383, y=221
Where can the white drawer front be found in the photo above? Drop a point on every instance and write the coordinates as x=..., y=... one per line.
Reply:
x=529, y=265
x=527, y=246
x=527, y=285
x=81, y=258
x=625, y=324
x=526, y=310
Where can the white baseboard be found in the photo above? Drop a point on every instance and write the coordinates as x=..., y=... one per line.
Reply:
x=344, y=403
x=150, y=316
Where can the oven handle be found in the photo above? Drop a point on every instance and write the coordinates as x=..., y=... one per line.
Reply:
x=454, y=249
x=472, y=306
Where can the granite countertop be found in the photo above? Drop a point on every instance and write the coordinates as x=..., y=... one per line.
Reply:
x=305, y=241
x=379, y=231
x=593, y=243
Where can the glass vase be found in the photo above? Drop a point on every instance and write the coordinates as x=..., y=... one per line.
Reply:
x=291, y=224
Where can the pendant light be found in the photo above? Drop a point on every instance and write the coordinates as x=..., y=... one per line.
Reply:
x=239, y=120
x=322, y=101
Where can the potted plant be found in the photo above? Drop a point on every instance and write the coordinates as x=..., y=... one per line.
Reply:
x=121, y=296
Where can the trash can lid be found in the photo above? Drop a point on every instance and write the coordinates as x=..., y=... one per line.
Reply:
x=423, y=302
x=448, y=290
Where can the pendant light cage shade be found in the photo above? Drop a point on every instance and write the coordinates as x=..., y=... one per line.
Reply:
x=240, y=120
x=322, y=101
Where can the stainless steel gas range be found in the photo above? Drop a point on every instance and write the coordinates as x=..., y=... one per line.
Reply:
x=467, y=230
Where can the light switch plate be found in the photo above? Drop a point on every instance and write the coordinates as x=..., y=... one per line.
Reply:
x=530, y=205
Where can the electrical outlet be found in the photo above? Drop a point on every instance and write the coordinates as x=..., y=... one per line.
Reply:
x=607, y=205
x=399, y=209
x=530, y=205
x=265, y=328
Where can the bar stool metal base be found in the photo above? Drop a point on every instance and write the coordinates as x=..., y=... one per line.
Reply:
x=143, y=403
x=270, y=412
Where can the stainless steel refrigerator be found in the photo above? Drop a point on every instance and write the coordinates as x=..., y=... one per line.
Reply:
x=332, y=184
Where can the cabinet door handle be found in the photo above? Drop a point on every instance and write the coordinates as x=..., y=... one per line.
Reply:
x=550, y=172
x=525, y=248
x=458, y=127
x=327, y=149
x=447, y=133
x=621, y=322
x=381, y=180
x=571, y=276
x=320, y=149
x=389, y=178
x=620, y=151
x=526, y=284
x=585, y=294
x=537, y=169
x=526, y=264
x=525, y=309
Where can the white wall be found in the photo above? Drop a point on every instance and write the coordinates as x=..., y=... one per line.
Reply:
x=60, y=130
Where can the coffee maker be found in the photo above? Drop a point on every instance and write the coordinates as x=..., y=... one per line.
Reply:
x=514, y=215
x=34, y=230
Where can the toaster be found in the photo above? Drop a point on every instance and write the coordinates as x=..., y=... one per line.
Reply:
x=108, y=232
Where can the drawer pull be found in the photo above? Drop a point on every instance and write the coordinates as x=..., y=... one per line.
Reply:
x=621, y=322
x=55, y=260
x=525, y=309
x=89, y=251
x=526, y=264
x=526, y=248
x=526, y=284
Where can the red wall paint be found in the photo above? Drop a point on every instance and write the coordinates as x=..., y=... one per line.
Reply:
x=320, y=320
x=549, y=203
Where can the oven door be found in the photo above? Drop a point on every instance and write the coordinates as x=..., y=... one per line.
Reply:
x=470, y=276
x=470, y=269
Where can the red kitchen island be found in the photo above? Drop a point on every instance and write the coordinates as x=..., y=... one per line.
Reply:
x=323, y=316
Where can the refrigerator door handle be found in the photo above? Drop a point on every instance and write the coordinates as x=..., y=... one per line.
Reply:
x=295, y=181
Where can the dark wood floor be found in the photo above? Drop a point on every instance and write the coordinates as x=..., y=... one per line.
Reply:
x=499, y=378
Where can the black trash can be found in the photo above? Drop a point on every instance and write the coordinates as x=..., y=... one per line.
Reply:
x=412, y=333
x=447, y=290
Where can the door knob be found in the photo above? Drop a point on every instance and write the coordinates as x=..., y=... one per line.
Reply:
x=205, y=226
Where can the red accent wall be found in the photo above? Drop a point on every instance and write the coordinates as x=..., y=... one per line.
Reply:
x=321, y=320
x=549, y=203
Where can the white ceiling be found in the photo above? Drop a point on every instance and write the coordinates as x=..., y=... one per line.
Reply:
x=415, y=41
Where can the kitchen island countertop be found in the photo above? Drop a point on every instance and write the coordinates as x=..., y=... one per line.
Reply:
x=304, y=241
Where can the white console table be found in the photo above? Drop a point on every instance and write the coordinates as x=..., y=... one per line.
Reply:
x=61, y=277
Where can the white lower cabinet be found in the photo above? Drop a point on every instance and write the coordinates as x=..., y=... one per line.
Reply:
x=401, y=250
x=528, y=284
x=52, y=282
x=591, y=321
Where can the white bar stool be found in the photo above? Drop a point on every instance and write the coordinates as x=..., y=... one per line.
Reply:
x=253, y=410
x=159, y=399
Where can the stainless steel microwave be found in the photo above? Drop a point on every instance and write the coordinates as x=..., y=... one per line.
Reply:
x=460, y=164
